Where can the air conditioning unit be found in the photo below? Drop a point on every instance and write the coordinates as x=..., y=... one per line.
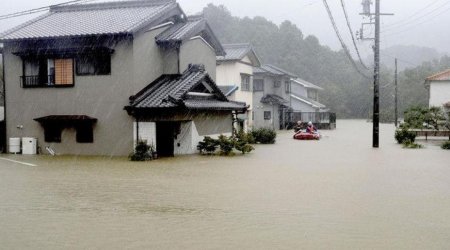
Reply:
x=29, y=146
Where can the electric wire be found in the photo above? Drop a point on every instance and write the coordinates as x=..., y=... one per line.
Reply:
x=351, y=33
x=38, y=10
x=344, y=46
x=411, y=16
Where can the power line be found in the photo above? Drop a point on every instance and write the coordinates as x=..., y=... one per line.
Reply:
x=344, y=46
x=413, y=15
x=351, y=33
x=411, y=22
x=37, y=10
x=415, y=25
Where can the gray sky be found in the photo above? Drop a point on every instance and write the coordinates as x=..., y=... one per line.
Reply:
x=416, y=22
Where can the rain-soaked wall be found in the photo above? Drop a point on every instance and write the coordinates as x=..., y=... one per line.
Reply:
x=197, y=51
x=439, y=93
x=259, y=108
x=298, y=105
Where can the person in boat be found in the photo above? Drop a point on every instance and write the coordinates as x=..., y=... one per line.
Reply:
x=298, y=127
x=311, y=128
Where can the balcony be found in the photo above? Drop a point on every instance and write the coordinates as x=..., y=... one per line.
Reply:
x=41, y=82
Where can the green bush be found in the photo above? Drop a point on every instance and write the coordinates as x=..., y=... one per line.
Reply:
x=142, y=152
x=446, y=145
x=208, y=145
x=246, y=137
x=411, y=144
x=264, y=135
x=226, y=145
x=403, y=135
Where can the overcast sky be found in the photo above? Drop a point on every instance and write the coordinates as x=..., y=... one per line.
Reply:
x=416, y=22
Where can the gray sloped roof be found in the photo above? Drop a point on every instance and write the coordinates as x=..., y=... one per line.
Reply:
x=274, y=99
x=108, y=18
x=306, y=84
x=171, y=91
x=194, y=26
x=308, y=101
x=272, y=70
x=237, y=51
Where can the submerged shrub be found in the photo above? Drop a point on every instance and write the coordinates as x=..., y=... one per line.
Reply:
x=446, y=145
x=243, y=146
x=142, y=152
x=208, y=145
x=226, y=145
x=264, y=135
x=411, y=144
x=403, y=135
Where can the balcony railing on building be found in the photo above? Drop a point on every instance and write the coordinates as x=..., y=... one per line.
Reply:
x=322, y=120
x=41, y=82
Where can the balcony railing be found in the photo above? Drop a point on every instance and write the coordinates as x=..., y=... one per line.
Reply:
x=41, y=82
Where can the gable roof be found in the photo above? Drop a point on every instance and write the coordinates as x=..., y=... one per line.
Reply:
x=310, y=102
x=108, y=18
x=194, y=26
x=228, y=90
x=173, y=91
x=272, y=70
x=306, y=84
x=441, y=76
x=237, y=52
x=274, y=99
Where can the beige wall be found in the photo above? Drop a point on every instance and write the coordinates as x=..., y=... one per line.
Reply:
x=439, y=93
x=197, y=51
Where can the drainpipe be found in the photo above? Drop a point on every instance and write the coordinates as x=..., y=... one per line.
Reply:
x=4, y=99
x=178, y=59
x=137, y=130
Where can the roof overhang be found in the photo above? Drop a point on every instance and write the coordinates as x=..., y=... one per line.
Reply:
x=66, y=120
x=63, y=51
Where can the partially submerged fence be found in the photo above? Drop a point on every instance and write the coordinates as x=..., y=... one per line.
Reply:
x=322, y=120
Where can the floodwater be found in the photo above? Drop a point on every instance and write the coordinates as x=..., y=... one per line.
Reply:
x=337, y=193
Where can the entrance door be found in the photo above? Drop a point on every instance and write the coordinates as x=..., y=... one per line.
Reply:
x=165, y=133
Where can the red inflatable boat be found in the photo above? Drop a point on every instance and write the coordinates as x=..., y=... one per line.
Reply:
x=307, y=136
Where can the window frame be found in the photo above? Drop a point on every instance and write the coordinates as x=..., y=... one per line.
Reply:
x=245, y=86
x=97, y=60
x=256, y=83
x=267, y=115
x=287, y=86
x=39, y=76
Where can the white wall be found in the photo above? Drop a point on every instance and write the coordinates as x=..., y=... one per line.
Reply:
x=147, y=132
x=439, y=93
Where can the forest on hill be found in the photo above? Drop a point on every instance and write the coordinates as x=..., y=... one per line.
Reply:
x=347, y=93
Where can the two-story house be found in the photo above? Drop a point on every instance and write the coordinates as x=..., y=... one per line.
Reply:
x=438, y=86
x=235, y=76
x=91, y=79
x=271, y=96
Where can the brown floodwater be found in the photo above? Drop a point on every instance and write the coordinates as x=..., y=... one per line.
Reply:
x=337, y=193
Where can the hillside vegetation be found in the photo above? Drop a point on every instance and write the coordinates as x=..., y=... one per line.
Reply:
x=347, y=93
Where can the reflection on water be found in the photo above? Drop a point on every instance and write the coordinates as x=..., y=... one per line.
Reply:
x=334, y=193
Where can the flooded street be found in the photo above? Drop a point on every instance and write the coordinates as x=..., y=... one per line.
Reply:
x=337, y=193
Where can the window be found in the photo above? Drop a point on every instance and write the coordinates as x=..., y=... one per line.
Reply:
x=96, y=64
x=52, y=133
x=258, y=85
x=85, y=134
x=267, y=115
x=47, y=72
x=277, y=84
x=245, y=82
x=287, y=87
x=312, y=94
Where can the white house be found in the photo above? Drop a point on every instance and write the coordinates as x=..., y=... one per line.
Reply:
x=234, y=76
x=305, y=97
x=438, y=86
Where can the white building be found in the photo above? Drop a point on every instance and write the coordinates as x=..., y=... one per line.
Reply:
x=234, y=75
x=438, y=86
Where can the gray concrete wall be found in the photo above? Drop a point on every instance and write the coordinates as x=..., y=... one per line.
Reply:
x=197, y=51
x=299, y=90
x=301, y=106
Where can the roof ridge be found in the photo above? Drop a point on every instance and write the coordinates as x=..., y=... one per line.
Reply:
x=109, y=5
x=432, y=77
x=25, y=24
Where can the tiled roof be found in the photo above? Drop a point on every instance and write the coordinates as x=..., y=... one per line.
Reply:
x=109, y=18
x=273, y=99
x=228, y=89
x=273, y=70
x=442, y=76
x=235, y=51
x=171, y=91
x=194, y=26
x=306, y=84
x=309, y=102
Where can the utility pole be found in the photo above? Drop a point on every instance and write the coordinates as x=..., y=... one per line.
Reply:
x=396, y=93
x=376, y=84
x=376, y=76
